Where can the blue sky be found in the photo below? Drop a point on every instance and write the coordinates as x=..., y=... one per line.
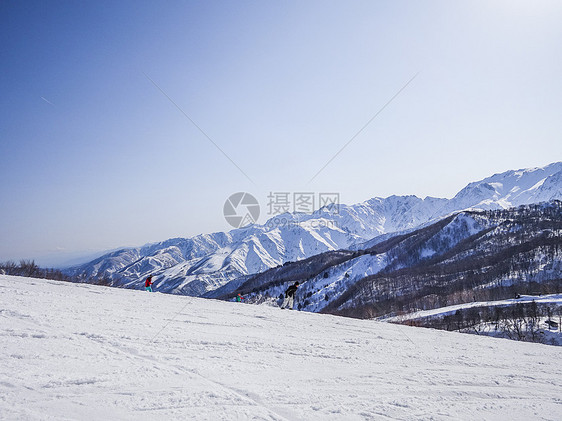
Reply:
x=95, y=157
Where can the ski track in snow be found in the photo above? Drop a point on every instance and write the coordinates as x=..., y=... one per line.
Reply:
x=84, y=352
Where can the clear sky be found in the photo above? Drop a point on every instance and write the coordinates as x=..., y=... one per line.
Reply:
x=94, y=156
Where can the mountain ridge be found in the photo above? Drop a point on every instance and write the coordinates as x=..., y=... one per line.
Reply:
x=489, y=255
x=197, y=265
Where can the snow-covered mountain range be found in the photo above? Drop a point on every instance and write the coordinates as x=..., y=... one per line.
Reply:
x=469, y=255
x=197, y=265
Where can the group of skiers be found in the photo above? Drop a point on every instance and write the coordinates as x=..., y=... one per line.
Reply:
x=287, y=301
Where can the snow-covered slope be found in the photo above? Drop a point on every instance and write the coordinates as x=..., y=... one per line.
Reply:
x=485, y=254
x=528, y=318
x=85, y=352
x=555, y=299
x=196, y=265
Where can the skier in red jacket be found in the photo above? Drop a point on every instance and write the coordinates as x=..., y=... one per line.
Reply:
x=148, y=284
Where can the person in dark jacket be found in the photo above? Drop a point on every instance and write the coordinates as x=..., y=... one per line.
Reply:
x=290, y=296
x=148, y=284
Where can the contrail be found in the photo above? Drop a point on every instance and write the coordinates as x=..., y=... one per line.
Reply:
x=48, y=102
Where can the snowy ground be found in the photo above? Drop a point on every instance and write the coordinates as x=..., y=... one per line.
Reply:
x=447, y=311
x=87, y=352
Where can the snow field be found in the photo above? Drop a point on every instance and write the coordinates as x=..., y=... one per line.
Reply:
x=74, y=351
